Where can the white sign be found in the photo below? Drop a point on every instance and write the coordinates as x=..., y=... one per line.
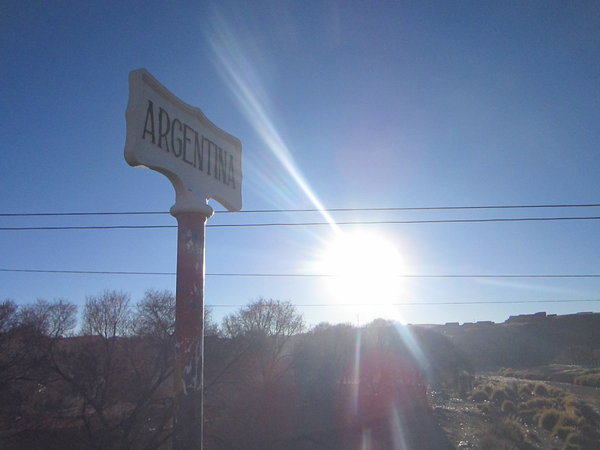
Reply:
x=169, y=136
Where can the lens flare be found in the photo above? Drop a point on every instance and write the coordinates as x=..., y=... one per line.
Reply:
x=382, y=399
x=231, y=56
x=398, y=430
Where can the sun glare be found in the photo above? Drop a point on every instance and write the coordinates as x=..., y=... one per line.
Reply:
x=362, y=268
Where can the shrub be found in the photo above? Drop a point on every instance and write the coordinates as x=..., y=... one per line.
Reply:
x=505, y=435
x=512, y=429
x=588, y=413
x=506, y=372
x=509, y=407
x=569, y=420
x=572, y=447
x=589, y=431
x=592, y=379
x=480, y=397
x=554, y=392
x=527, y=415
x=484, y=407
x=525, y=389
x=538, y=403
x=540, y=389
x=498, y=396
x=561, y=432
x=576, y=438
x=570, y=401
x=548, y=419
x=522, y=406
x=579, y=410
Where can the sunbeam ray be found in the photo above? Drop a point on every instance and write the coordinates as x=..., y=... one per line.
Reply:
x=397, y=429
x=238, y=72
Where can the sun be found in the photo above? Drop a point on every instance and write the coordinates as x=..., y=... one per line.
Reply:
x=362, y=268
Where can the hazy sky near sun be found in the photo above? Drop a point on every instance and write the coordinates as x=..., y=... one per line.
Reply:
x=347, y=104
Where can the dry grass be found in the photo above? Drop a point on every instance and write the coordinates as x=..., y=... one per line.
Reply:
x=592, y=379
x=505, y=434
x=579, y=375
x=510, y=406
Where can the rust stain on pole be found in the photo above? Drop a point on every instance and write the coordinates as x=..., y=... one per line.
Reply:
x=189, y=331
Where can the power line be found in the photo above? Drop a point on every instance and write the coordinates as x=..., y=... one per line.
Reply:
x=397, y=222
x=408, y=303
x=424, y=303
x=258, y=211
x=91, y=213
x=86, y=272
x=295, y=275
x=289, y=224
x=93, y=227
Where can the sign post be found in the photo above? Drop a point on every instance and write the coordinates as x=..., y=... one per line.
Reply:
x=189, y=331
x=201, y=161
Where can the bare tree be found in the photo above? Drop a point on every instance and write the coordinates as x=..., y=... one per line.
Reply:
x=120, y=378
x=321, y=360
x=107, y=315
x=252, y=403
x=27, y=338
x=211, y=328
x=265, y=326
x=155, y=315
x=271, y=318
x=51, y=319
x=8, y=309
x=27, y=334
x=13, y=358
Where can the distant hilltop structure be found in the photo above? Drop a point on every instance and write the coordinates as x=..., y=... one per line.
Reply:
x=521, y=319
x=542, y=316
x=527, y=340
x=526, y=318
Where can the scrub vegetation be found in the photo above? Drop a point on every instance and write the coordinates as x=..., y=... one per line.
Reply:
x=102, y=378
x=521, y=410
x=575, y=374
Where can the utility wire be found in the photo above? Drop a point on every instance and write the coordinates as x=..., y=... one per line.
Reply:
x=290, y=224
x=425, y=303
x=296, y=275
x=335, y=305
x=257, y=211
x=94, y=227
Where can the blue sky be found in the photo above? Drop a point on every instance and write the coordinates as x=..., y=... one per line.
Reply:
x=373, y=104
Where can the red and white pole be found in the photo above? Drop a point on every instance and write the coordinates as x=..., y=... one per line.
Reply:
x=189, y=329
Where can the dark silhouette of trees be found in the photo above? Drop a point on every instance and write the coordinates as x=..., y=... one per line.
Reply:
x=11, y=354
x=155, y=316
x=120, y=379
x=275, y=319
x=269, y=384
x=15, y=360
x=52, y=319
x=107, y=316
x=267, y=326
x=251, y=391
x=8, y=309
x=321, y=358
x=446, y=366
x=27, y=386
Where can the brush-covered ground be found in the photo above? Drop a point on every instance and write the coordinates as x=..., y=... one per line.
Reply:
x=509, y=413
x=565, y=373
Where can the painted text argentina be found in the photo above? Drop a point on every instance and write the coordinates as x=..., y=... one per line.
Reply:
x=176, y=137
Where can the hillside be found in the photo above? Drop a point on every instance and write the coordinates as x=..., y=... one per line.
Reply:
x=527, y=340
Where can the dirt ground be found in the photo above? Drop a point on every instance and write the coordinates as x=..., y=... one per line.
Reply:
x=465, y=424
